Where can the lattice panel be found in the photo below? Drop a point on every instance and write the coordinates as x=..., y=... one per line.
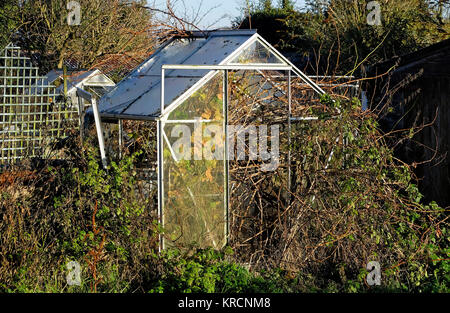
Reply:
x=31, y=117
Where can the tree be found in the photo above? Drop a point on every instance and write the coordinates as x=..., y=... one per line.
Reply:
x=272, y=23
x=267, y=5
x=8, y=22
x=335, y=36
x=287, y=4
x=341, y=39
x=440, y=8
x=112, y=33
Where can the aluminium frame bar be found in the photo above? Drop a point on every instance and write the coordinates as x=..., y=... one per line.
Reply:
x=98, y=124
x=128, y=117
x=120, y=137
x=227, y=158
x=160, y=182
x=289, y=134
x=269, y=67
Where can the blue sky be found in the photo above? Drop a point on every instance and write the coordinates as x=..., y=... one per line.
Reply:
x=213, y=13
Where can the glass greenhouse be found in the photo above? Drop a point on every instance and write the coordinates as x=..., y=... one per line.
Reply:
x=214, y=95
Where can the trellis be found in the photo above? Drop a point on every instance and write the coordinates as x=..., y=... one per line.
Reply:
x=32, y=116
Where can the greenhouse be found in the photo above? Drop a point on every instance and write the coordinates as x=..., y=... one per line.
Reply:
x=216, y=97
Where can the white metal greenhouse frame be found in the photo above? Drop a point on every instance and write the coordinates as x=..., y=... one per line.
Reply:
x=160, y=114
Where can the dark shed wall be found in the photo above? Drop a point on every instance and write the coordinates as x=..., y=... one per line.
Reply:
x=424, y=100
x=430, y=106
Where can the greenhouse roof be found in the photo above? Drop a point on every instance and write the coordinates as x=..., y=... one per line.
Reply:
x=78, y=78
x=138, y=96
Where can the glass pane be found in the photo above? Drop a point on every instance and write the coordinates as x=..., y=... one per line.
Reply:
x=194, y=210
x=256, y=53
x=257, y=101
x=206, y=103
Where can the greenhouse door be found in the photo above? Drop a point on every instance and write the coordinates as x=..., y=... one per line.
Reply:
x=193, y=206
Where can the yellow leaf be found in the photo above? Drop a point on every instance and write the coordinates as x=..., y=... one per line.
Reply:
x=206, y=115
x=208, y=174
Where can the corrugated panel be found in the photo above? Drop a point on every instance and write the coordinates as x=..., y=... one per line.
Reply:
x=139, y=93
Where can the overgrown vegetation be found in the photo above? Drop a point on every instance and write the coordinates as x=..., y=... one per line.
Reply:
x=357, y=203
x=114, y=36
x=358, y=206
x=54, y=213
x=334, y=38
x=350, y=200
